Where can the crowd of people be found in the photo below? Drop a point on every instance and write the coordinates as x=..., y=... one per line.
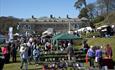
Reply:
x=29, y=50
x=97, y=53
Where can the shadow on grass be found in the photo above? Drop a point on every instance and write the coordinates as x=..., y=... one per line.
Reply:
x=13, y=62
x=36, y=69
x=40, y=68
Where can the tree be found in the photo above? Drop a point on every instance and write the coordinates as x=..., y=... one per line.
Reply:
x=83, y=13
x=85, y=10
x=106, y=5
x=79, y=4
x=91, y=10
x=88, y=11
x=6, y=22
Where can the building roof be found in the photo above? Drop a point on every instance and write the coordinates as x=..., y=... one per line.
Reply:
x=46, y=19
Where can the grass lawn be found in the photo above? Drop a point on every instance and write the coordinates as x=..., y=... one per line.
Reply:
x=16, y=66
x=91, y=41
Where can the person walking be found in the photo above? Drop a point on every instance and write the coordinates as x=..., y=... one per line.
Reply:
x=70, y=51
x=91, y=56
x=5, y=52
x=24, y=56
x=30, y=50
x=85, y=46
x=98, y=56
x=13, y=52
x=36, y=54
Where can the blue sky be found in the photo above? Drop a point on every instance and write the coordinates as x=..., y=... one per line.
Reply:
x=38, y=8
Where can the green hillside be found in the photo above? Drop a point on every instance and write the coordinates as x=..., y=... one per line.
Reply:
x=110, y=19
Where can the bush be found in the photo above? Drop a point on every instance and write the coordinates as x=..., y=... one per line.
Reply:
x=90, y=34
x=98, y=19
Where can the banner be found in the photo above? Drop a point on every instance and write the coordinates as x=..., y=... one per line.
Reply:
x=10, y=34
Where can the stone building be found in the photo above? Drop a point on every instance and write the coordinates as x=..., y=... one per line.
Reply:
x=58, y=24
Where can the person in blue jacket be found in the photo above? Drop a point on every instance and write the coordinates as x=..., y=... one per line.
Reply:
x=98, y=56
x=91, y=55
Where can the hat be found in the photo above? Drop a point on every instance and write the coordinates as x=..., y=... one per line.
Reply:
x=22, y=49
x=24, y=44
x=101, y=46
x=91, y=46
x=69, y=44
